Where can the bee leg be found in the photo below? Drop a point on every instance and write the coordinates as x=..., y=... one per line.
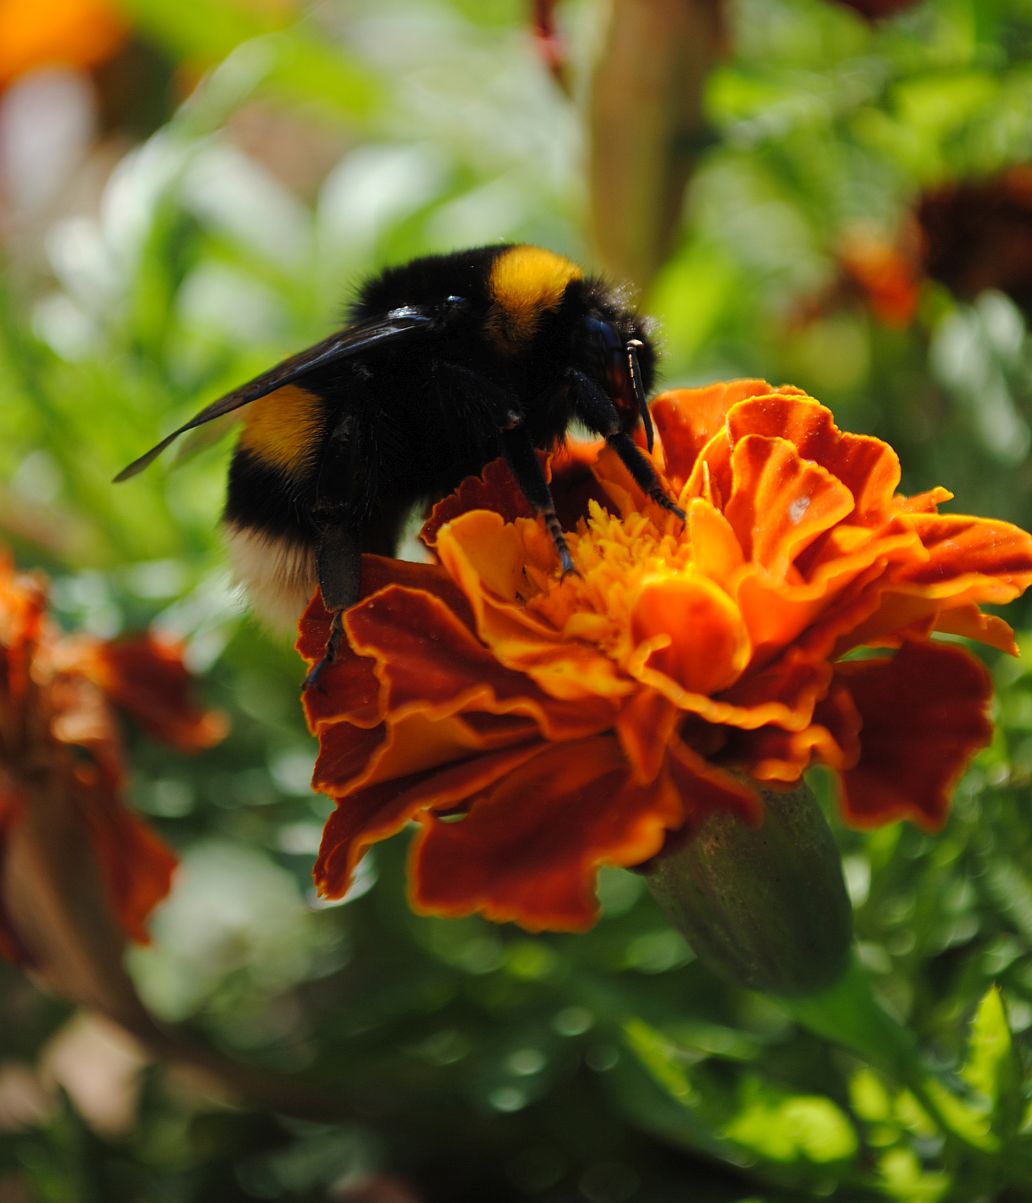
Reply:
x=643, y=472
x=596, y=410
x=526, y=468
x=339, y=564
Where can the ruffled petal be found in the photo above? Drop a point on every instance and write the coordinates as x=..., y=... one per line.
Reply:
x=364, y=817
x=429, y=661
x=868, y=468
x=833, y=738
x=705, y=789
x=686, y=419
x=145, y=676
x=494, y=489
x=695, y=631
x=530, y=846
x=922, y=717
x=135, y=864
x=969, y=559
x=490, y=562
x=780, y=502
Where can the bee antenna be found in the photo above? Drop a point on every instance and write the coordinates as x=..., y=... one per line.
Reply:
x=634, y=370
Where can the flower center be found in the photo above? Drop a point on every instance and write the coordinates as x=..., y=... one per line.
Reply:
x=615, y=557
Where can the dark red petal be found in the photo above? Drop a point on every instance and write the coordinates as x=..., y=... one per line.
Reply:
x=784, y=691
x=923, y=716
x=135, y=864
x=530, y=847
x=428, y=660
x=775, y=754
x=705, y=789
x=494, y=489
x=373, y=814
x=145, y=676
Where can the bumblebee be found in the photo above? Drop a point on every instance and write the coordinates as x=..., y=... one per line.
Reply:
x=444, y=364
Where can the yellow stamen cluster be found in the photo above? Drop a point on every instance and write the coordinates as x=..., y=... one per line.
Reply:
x=616, y=557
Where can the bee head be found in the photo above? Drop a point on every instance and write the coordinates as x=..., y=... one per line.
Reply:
x=620, y=358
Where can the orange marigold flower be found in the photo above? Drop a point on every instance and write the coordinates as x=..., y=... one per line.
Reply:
x=60, y=747
x=67, y=33
x=539, y=727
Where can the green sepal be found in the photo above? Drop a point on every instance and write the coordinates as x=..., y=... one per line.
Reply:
x=763, y=906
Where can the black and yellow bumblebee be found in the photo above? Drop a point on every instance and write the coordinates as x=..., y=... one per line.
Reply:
x=444, y=363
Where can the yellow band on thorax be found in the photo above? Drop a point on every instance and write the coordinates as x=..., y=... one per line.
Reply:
x=525, y=282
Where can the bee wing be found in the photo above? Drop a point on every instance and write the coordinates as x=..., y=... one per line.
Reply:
x=396, y=326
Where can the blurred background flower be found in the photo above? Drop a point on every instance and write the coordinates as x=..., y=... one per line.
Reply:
x=179, y=214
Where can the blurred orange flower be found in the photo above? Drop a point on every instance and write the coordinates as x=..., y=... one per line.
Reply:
x=539, y=727
x=60, y=748
x=66, y=33
x=886, y=273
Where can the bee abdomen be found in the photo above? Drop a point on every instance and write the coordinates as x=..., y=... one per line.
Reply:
x=277, y=572
x=270, y=538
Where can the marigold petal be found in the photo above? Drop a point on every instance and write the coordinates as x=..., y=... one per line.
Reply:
x=923, y=716
x=494, y=489
x=969, y=622
x=530, y=847
x=644, y=726
x=136, y=864
x=345, y=753
x=826, y=610
x=145, y=676
x=926, y=502
x=367, y=816
x=705, y=789
x=351, y=758
x=833, y=738
x=715, y=547
x=428, y=660
x=687, y=418
x=705, y=644
x=867, y=467
x=780, y=502
x=967, y=560
x=488, y=560
x=784, y=691
x=976, y=559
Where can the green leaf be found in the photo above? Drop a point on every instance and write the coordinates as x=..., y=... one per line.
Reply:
x=992, y=1066
x=753, y=1119
x=780, y=1126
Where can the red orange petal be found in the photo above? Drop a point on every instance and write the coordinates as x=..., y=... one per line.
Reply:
x=145, y=676
x=530, y=847
x=135, y=864
x=780, y=502
x=370, y=815
x=922, y=716
x=704, y=644
x=686, y=419
x=867, y=467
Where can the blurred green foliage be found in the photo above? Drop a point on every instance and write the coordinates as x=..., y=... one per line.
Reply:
x=468, y=1061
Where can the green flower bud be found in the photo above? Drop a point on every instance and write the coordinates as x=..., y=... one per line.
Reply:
x=764, y=907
